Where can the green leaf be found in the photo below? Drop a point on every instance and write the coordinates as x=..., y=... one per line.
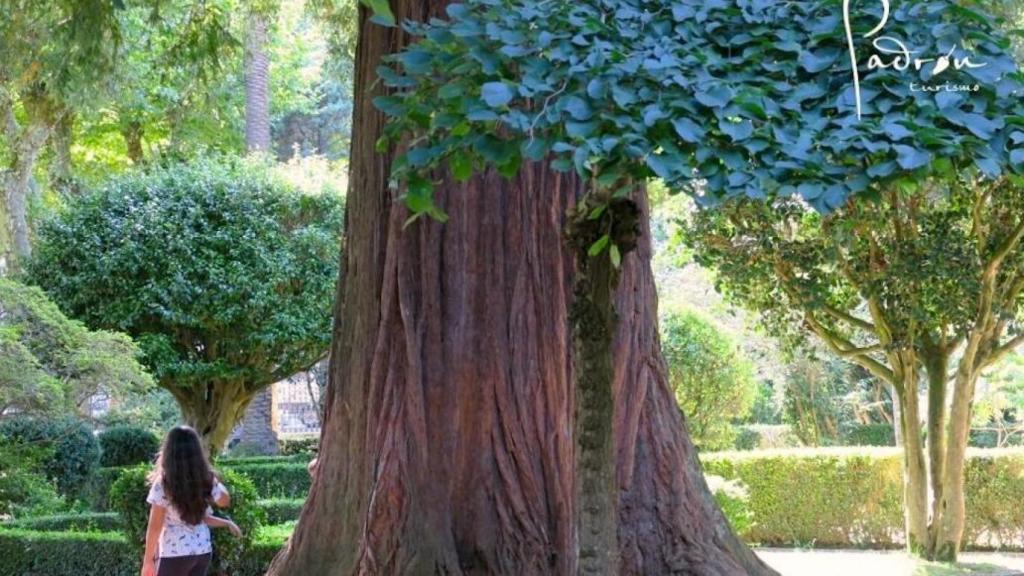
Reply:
x=615, y=256
x=382, y=13
x=496, y=94
x=461, y=166
x=598, y=246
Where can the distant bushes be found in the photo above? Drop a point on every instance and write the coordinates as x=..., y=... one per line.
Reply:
x=713, y=381
x=299, y=445
x=127, y=446
x=70, y=452
x=853, y=497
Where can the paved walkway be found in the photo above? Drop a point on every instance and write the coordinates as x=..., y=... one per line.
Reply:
x=798, y=562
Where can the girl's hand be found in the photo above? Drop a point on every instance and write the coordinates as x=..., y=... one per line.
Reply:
x=235, y=530
x=149, y=568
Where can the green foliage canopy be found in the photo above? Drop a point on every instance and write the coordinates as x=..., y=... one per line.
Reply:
x=714, y=384
x=751, y=99
x=50, y=363
x=220, y=270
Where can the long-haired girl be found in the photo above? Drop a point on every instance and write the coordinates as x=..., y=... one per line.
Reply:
x=183, y=486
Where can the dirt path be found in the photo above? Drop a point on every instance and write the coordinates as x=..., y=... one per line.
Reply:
x=797, y=562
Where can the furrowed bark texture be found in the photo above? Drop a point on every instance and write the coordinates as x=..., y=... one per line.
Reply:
x=257, y=82
x=214, y=410
x=447, y=446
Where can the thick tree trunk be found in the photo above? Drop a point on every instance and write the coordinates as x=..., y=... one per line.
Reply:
x=936, y=365
x=18, y=187
x=62, y=176
x=951, y=527
x=132, y=132
x=257, y=83
x=915, y=473
x=447, y=446
x=213, y=410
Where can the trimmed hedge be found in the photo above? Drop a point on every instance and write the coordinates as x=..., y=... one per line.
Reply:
x=231, y=461
x=85, y=522
x=275, y=477
x=853, y=497
x=869, y=435
x=299, y=445
x=277, y=480
x=281, y=510
x=38, y=553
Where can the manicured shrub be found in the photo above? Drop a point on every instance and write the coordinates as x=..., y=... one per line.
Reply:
x=853, y=497
x=24, y=489
x=845, y=498
x=127, y=446
x=82, y=522
x=97, y=493
x=281, y=510
x=128, y=499
x=300, y=458
x=869, y=435
x=36, y=553
x=299, y=445
x=994, y=484
x=72, y=452
x=284, y=480
x=275, y=477
x=747, y=438
x=732, y=498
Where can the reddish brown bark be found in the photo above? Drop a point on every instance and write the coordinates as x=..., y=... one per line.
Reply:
x=447, y=447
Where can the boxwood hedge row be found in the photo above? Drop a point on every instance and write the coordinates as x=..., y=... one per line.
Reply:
x=852, y=497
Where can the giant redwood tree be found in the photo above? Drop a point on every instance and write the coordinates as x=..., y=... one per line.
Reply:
x=448, y=443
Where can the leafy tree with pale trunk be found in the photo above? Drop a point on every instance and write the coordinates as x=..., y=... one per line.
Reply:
x=221, y=272
x=54, y=56
x=921, y=286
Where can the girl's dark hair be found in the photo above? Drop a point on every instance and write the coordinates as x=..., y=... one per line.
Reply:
x=185, y=473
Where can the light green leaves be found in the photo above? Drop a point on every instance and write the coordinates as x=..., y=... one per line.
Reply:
x=382, y=13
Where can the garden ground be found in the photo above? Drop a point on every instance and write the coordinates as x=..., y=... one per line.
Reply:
x=805, y=562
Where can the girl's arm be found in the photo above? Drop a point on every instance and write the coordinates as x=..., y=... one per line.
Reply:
x=156, y=525
x=215, y=522
x=221, y=496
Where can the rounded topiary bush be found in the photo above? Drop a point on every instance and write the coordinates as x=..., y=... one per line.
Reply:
x=713, y=381
x=127, y=446
x=71, y=451
x=128, y=499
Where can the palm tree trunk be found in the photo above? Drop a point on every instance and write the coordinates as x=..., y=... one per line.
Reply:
x=257, y=82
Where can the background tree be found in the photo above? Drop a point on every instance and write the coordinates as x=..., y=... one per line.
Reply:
x=257, y=74
x=713, y=382
x=898, y=285
x=221, y=272
x=55, y=55
x=52, y=364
